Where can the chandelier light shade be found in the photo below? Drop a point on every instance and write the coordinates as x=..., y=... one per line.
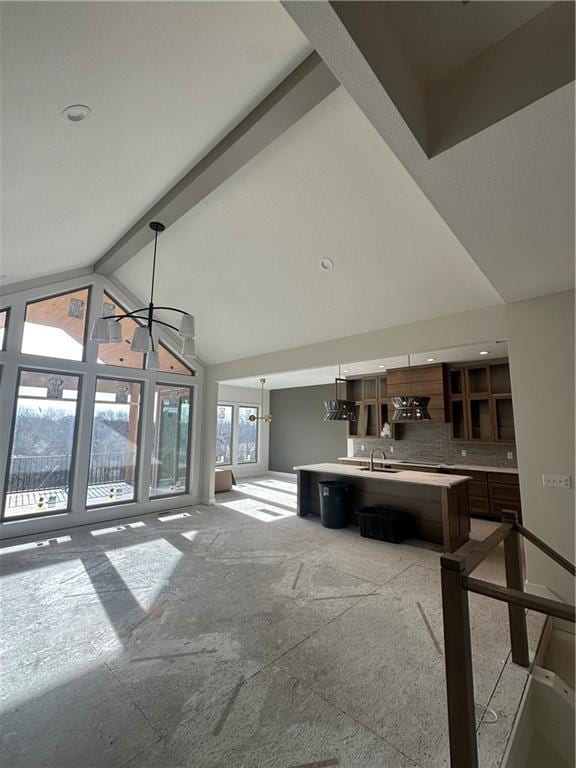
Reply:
x=115, y=330
x=189, y=347
x=101, y=330
x=108, y=328
x=142, y=340
x=153, y=361
x=187, y=326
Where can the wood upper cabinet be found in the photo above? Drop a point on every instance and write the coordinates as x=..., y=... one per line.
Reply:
x=423, y=381
x=481, y=402
x=370, y=394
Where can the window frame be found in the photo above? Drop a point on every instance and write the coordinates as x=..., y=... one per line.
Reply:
x=87, y=316
x=139, y=443
x=236, y=433
x=257, y=424
x=186, y=491
x=74, y=450
x=12, y=359
x=232, y=434
x=6, y=326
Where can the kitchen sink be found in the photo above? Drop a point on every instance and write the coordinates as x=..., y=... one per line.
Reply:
x=376, y=469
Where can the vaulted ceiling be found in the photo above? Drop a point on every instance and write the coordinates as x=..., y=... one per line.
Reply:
x=411, y=236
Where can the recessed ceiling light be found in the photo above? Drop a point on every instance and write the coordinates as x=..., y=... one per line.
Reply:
x=326, y=264
x=430, y=359
x=485, y=352
x=382, y=366
x=76, y=112
x=345, y=370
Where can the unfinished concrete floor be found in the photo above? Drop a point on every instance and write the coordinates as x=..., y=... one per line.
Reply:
x=237, y=636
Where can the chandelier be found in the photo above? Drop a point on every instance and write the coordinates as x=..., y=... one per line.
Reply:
x=107, y=329
x=266, y=417
x=339, y=409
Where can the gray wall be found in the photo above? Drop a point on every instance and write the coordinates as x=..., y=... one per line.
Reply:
x=298, y=433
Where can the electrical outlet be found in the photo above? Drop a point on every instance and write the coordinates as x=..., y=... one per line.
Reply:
x=557, y=481
x=464, y=452
x=391, y=449
x=509, y=455
x=362, y=447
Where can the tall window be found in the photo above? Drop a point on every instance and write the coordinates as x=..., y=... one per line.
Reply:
x=247, y=435
x=56, y=327
x=42, y=445
x=114, y=446
x=3, y=324
x=172, y=427
x=119, y=353
x=224, y=435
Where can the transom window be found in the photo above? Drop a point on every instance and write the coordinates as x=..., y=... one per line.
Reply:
x=56, y=326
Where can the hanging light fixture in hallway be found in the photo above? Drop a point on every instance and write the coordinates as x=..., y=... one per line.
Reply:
x=265, y=417
x=108, y=329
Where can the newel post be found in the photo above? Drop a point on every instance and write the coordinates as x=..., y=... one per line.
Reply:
x=513, y=556
x=458, y=661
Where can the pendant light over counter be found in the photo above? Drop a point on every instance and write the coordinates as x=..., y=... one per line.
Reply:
x=410, y=407
x=339, y=409
x=107, y=329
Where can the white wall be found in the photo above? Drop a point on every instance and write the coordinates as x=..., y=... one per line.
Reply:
x=249, y=396
x=541, y=350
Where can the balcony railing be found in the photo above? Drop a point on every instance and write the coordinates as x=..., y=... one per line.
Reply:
x=42, y=473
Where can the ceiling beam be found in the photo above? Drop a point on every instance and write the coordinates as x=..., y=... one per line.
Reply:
x=300, y=92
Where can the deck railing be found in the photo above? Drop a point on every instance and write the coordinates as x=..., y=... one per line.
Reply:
x=456, y=583
x=42, y=473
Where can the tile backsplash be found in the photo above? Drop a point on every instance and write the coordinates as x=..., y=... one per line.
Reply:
x=431, y=441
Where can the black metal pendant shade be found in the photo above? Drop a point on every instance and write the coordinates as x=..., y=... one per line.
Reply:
x=410, y=408
x=339, y=409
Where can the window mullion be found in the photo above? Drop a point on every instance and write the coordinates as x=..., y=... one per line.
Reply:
x=81, y=451
x=146, y=442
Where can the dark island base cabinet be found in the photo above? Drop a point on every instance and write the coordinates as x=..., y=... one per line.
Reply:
x=490, y=493
x=438, y=515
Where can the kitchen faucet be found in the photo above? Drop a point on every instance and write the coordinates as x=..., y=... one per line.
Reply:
x=372, y=452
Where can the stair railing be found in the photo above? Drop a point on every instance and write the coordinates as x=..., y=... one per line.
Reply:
x=456, y=584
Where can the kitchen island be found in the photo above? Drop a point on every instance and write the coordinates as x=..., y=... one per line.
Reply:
x=437, y=504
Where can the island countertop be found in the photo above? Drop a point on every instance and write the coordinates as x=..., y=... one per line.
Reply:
x=397, y=476
x=437, y=505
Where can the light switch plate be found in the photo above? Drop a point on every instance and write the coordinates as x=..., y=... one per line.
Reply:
x=557, y=481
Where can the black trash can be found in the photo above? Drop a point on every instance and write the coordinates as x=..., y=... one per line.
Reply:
x=333, y=502
x=384, y=524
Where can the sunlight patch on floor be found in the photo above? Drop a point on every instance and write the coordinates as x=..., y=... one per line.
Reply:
x=267, y=513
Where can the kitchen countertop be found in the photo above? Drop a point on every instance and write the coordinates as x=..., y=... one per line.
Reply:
x=402, y=476
x=439, y=465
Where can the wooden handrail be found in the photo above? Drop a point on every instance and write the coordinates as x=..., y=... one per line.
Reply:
x=530, y=602
x=566, y=564
x=456, y=584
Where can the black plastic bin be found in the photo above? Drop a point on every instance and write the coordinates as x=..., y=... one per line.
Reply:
x=333, y=503
x=384, y=524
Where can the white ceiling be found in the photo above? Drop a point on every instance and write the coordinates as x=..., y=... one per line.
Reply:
x=165, y=82
x=245, y=260
x=315, y=376
x=440, y=37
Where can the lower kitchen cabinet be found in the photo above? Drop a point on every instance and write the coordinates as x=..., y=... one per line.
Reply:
x=490, y=493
